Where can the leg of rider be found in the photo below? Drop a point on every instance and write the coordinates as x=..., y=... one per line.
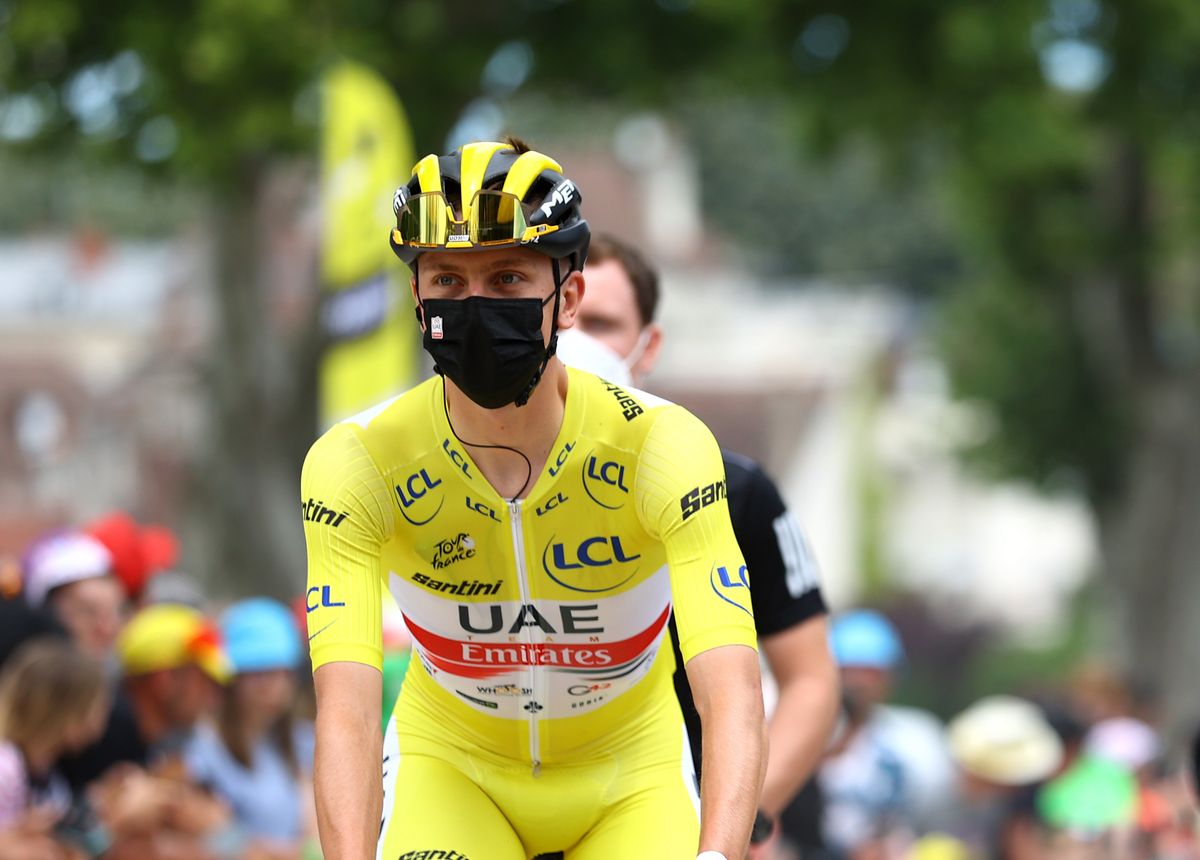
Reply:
x=655, y=811
x=437, y=811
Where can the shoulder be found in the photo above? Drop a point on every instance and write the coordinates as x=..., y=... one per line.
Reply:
x=384, y=429
x=12, y=764
x=622, y=410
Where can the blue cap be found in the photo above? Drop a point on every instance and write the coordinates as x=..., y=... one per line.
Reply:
x=863, y=637
x=260, y=634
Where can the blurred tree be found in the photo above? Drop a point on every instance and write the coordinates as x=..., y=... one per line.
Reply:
x=215, y=93
x=1069, y=134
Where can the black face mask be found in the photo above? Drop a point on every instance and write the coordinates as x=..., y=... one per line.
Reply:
x=492, y=349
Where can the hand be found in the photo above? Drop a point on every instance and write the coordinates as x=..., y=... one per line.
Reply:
x=131, y=802
x=21, y=844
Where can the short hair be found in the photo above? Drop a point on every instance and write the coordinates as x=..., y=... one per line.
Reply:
x=642, y=274
x=46, y=686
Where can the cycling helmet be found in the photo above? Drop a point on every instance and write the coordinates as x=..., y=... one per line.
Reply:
x=261, y=634
x=486, y=195
x=863, y=637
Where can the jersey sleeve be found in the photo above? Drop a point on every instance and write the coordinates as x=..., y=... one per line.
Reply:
x=347, y=519
x=681, y=500
x=787, y=579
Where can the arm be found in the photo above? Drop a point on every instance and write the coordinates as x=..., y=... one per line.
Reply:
x=806, y=712
x=728, y=693
x=348, y=789
x=681, y=493
x=346, y=506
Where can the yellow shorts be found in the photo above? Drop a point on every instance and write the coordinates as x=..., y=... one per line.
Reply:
x=443, y=801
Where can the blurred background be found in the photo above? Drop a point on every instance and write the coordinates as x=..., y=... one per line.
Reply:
x=933, y=264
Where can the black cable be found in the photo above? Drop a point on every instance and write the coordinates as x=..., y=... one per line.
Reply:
x=528, y=464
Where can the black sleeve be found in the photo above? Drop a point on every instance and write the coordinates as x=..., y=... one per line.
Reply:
x=785, y=585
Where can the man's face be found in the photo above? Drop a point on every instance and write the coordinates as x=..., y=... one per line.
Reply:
x=503, y=273
x=190, y=694
x=93, y=611
x=609, y=313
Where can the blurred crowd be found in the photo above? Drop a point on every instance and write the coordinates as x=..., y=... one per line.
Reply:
x=1076, y=772
x=139, y=720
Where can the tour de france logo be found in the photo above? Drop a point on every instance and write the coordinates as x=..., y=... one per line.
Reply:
x=453, y=550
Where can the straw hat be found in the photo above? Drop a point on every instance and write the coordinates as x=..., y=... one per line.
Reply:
x=1005, y=740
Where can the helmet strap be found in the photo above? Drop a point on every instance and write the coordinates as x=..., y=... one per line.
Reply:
x=552, y=346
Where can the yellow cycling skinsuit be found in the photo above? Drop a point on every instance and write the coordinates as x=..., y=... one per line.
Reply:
x=540, y=714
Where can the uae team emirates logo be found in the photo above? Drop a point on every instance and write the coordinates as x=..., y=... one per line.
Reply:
x=435, y=328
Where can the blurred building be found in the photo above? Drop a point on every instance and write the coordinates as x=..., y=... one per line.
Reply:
x=98, y=401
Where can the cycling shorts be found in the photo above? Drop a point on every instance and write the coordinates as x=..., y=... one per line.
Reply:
x=453, y=801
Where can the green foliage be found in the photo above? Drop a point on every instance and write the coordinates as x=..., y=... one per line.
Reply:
x=1066, y=129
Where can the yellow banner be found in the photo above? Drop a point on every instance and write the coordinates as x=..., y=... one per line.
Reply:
x=366, y=151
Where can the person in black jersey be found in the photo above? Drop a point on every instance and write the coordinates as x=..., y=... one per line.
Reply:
x=617, y=317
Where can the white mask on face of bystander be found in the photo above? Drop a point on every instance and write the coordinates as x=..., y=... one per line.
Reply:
x=584, y=352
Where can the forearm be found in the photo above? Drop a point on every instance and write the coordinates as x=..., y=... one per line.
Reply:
x=347, y=783
x=734, y=741
x=799, y=733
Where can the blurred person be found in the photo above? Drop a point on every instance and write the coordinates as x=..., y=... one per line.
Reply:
x=53, y=700
x=538, y=713
x=257, y=757
x=71, y=575
x=616, y=336
x=1003, y=746
x=172, y=666
x=889, y=769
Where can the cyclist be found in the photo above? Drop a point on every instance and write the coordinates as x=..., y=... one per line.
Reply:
x=536, y=526
x=618, y=315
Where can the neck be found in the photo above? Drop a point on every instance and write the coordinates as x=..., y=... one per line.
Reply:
x=152, y=722
x=531, y=429
x=254, y=725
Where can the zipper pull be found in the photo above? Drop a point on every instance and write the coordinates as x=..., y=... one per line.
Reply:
x=537, y=767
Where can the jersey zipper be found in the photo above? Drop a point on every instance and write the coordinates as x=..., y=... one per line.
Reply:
x=535, y=753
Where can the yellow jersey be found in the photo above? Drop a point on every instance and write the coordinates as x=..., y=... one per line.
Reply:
x=537, y=623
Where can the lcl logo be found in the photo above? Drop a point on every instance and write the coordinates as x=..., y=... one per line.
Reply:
x=413, y=493
x=604, y=482
x=583, y=564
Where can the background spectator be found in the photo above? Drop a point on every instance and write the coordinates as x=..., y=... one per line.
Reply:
x=257, y=757
x=889, y=768
x=1004, y=747
x=172, y=665
x=70, y=573
x=53, y=699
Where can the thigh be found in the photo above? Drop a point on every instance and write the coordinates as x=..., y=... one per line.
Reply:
x=437, y=811
x=655, y=811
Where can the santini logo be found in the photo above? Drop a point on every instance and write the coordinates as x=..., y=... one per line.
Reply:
x=316, y=512
x=631, y=408
x=467, y=588
x=701, y=497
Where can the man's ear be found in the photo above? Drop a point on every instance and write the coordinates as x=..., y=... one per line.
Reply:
x=572, y=294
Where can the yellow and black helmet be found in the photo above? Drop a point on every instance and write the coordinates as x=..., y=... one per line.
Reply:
x=486, y=195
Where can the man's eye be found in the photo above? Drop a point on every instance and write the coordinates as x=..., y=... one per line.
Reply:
x=443, y=280
x=509, y=278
